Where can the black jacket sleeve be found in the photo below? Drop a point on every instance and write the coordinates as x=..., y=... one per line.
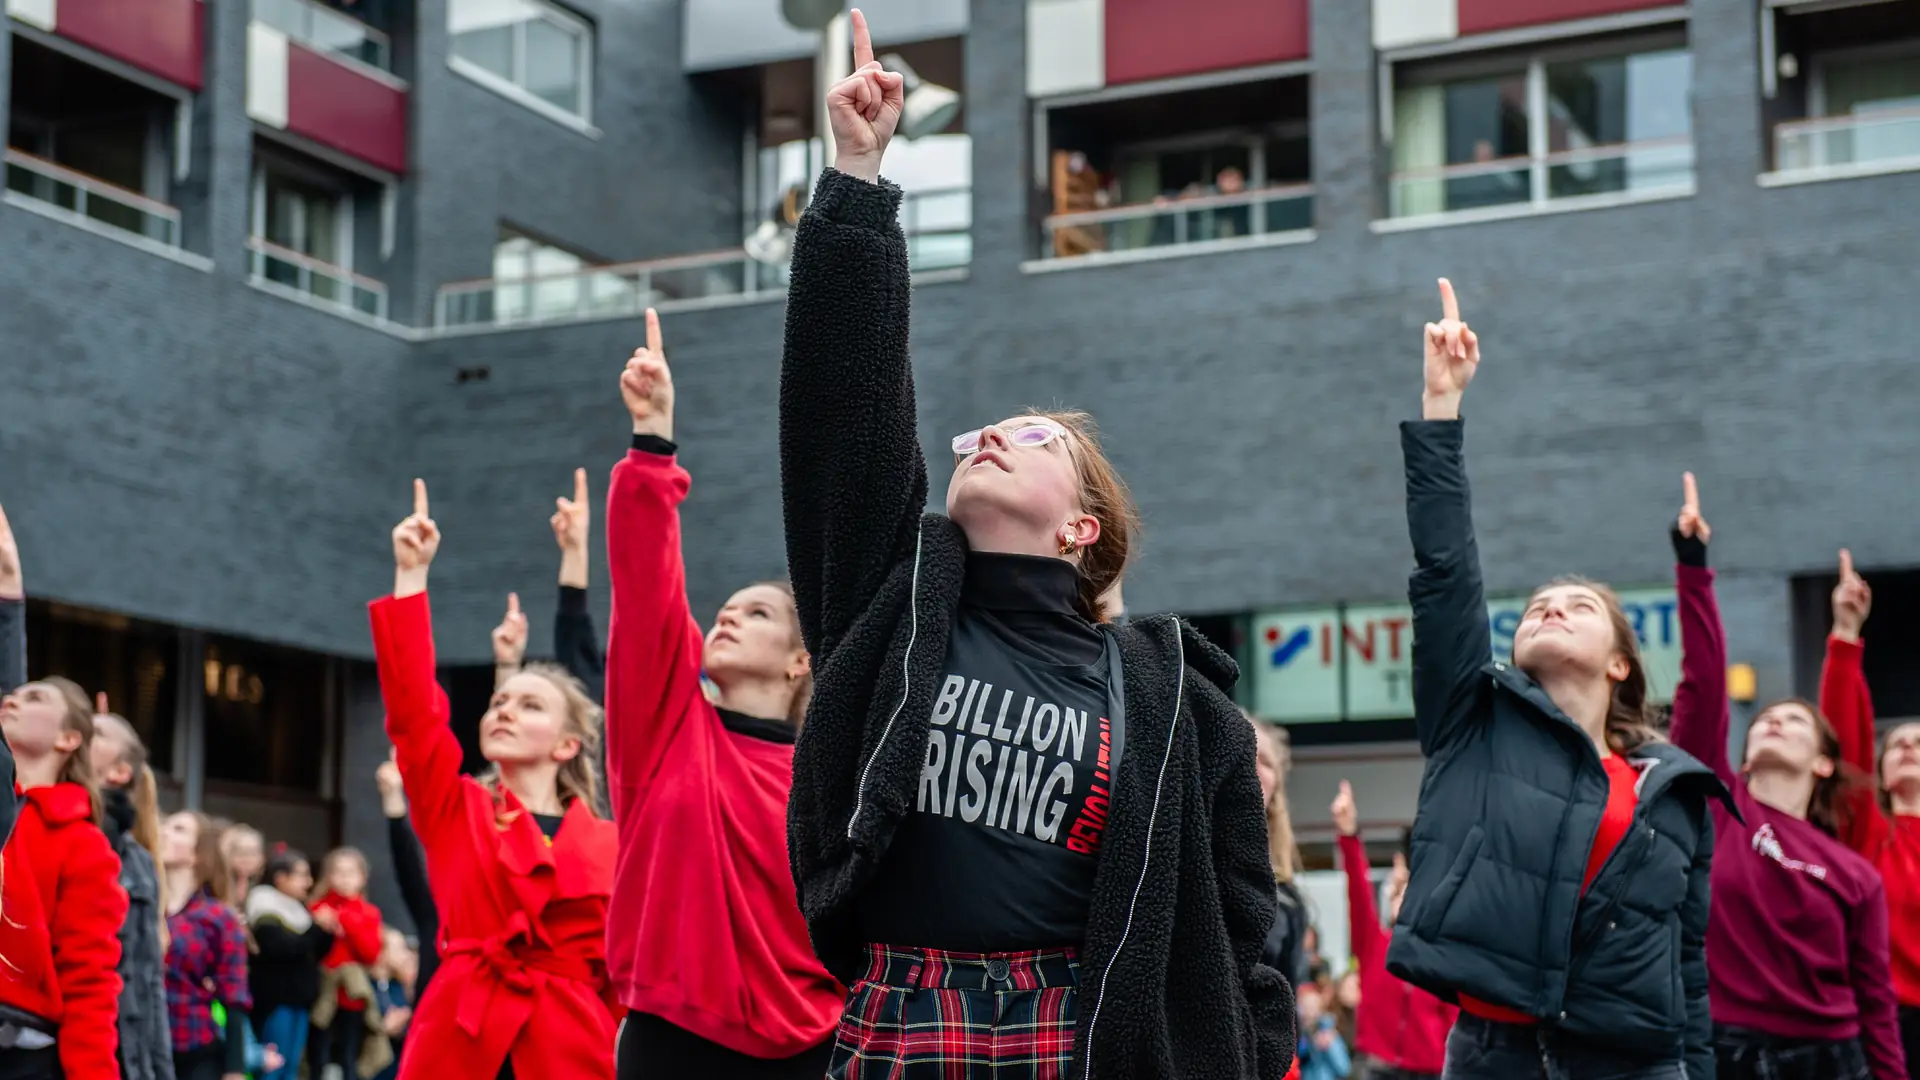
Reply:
x=852, y=476
x=1451, y=642
x=274, y=940
x=13, y=645
x=1700, y=1058
x=410, y=867
x=575, y=644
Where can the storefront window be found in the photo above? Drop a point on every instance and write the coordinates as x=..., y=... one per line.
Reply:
x=269, y=711
x=135, y=663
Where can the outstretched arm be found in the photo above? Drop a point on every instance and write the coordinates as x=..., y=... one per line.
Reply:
x=1451, y=641
x=1363, y=916
x=575, y=644
x=853, y=480
x=409, y=861
x=13, y=617
x=1848, y=705
x=417, y=710
x=1701, y=708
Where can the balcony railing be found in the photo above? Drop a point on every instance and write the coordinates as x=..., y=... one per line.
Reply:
x=1883, y=137
x=322, y=280
x=1646, y=167
x=326, y=30
x=1173, y=222
x=97, y=200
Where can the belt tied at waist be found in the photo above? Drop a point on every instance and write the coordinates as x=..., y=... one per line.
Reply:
x=516, y=963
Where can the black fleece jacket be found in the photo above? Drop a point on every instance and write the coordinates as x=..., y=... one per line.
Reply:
x=1183, y=897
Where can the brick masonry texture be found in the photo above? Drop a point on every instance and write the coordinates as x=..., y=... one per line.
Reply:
x=180, y=445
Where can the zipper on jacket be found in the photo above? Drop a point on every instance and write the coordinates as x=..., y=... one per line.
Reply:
x=1146, y=860
x=906, y=680
x=1613, y=904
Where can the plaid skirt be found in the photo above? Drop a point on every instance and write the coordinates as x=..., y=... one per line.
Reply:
x=924, y=1014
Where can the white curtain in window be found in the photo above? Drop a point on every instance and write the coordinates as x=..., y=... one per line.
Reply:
x=1419, y=143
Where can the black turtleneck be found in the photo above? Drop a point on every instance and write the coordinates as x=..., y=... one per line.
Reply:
x=999, y=852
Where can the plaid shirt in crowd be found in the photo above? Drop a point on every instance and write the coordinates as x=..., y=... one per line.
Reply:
x=206, y=962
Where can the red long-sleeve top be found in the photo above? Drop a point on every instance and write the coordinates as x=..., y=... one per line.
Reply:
x=522, y=921
x=358, y=941
x=1399, y=1023
x=1890, y=842
x=60, y=938
x=701, y=808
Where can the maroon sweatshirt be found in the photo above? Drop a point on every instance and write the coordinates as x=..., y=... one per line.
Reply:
x=1797, y=935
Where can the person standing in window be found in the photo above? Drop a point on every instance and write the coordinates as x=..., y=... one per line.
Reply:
x=1884, y=826
x=1561, y=850
x=206, y=953
x=127, y=789
x=521, y=866
x=985, y=757
x=1797, y=946
x=700, y=790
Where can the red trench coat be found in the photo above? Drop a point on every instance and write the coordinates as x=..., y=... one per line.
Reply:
x=522, y=923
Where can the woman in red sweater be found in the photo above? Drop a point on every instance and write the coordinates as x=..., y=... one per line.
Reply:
x=1886, y=830
x=521, y=866
x=343, y=888
x=1797, y=931
x=700, y=791
x=1402, y=1027
x=64, y=906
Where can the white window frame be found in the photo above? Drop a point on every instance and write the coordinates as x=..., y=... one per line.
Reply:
x=514, y=89
x=1533, y=58
x=342, y=219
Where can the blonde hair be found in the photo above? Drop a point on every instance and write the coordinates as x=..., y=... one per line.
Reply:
x=1632, y=721
x=143, y=793
x=1105, y=496
x=210, y=858
x=78, y=768
x=230, y=835
x=1282, y=851
x=579, y=778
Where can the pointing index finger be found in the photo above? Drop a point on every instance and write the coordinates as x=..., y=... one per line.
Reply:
x=579, y=487
x=654, y=344
x=1691, y=490
x=862, y=42
x=513, y=603
x=420, y=496
x=1846, y=565
x=1449, y=304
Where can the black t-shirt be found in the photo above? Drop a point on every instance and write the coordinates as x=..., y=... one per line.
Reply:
x=999, y=851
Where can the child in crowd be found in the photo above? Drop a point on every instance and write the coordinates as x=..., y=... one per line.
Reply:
x=1322, y=1052
x=393, y=985
x=356, y=948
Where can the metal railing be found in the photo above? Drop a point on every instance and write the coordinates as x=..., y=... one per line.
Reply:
x=1171, y=222
x=327, y=30
x=937, y=223
x=1840, y=142
x=336, y=285
x=92, y=198
x=1646, y=166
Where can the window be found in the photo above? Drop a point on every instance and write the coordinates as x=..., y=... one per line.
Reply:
x=530, y=50
x=269, y=713
x=1136, y=173
x=90, y=143
x=337, y=28
x=1589, y=120
x=535, y=281
x=1847, y=98
x=135, y=663
x=304, y=217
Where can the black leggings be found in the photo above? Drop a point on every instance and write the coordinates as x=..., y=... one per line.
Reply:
x=204, y=1063
x=336, y=1045
x=650, y=1047
x=1910, y=1038
x=41, y=1064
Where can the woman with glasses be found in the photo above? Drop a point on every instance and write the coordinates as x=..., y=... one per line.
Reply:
x=1032, y=843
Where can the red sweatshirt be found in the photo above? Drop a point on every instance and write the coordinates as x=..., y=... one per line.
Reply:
x=1891, y=843
x=358, y=941
x=702, y=875
x=1797, y=931
x=61, y=934
x=1400, y=1024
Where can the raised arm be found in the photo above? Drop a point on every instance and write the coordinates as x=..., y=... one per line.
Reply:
x=509, y=642
x=1451, y=641
x=1701, y=709
x=1363, y=917
x=417, y=710
x=13, y=616
x=575, y=644
x=409, y=861
x=852, y=477
x=653, y=643
x=1847, y=703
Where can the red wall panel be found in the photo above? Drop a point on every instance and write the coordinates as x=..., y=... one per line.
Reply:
x=1158, y=39
x=162, y=37
x=1479, y=16
x=346, y=109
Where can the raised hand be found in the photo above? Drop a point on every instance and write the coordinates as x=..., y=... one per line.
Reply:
x=393, y=795
x=572, y=516
x=1346, y=816
x=416, y=540
x=1852, y=601
x=1691, y=524
x=510, y=637
x=864, y=108
x=1453, y=355
x=12, y=583
x=647, y=385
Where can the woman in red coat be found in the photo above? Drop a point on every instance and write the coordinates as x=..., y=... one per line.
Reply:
x=64, y=905
x=521, y=866
x=700, y=792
